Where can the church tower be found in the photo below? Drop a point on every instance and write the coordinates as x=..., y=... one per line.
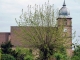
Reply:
x=65, y=20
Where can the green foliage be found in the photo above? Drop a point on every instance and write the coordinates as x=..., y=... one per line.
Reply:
x=76, y=55
x=6, y=47
x=28, y=57
x=75, y=58
x=60, y=56
x=77, y=50
x=0, y=55
x=7, y=57
x=18, y=54
x=27, y=53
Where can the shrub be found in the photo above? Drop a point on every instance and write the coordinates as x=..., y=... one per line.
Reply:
x=7, y=57
x=76, y=55
x=75, y=58
x=28, y=57
x=6, y=47
x=25, y=53
x=0, y=54
x=60, y=56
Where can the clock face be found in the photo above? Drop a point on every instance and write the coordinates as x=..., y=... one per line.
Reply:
x=65, y=30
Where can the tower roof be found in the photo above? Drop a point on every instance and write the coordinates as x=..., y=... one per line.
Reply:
x=64, y=3
x=64, y=12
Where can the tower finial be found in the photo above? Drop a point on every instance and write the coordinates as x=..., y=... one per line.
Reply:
x=64, y=3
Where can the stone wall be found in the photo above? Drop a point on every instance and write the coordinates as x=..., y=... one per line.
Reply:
x=4, y=36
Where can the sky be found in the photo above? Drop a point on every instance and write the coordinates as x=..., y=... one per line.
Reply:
x=11, y=9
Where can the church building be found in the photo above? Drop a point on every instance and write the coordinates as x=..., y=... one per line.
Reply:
x=64, y=14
